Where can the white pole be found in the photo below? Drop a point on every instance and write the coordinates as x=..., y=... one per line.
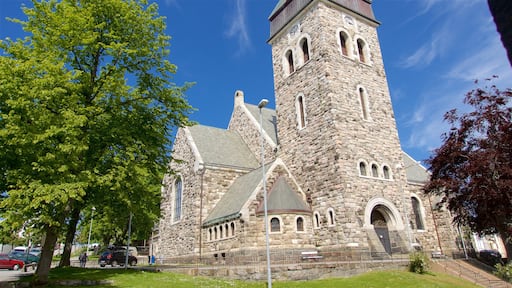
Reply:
x=262, y=104
x=90, y=230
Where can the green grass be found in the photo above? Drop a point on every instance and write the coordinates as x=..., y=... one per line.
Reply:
x=136, y=278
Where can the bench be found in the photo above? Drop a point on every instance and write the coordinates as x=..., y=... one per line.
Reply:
x=307, y=255
x=437, y=254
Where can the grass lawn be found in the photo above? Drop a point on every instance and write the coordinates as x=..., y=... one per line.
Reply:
x=135, y=278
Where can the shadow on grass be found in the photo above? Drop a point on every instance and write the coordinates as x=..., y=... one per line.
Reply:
x=86, y=277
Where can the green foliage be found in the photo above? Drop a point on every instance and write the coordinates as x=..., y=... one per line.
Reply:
x=504, y=271
x=418, y=263
x=87, y=108
x=471, y=171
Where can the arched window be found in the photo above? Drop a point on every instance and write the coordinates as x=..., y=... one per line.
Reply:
x=301, y=117
x=178, y=191
x=275, y=225
x=417, y=213
x=375, y=170
x=210, y=235
x=289, y=59
x=220, y=232
x=364, y=104
x=362, y=169
x=227, y=230
x=300, y=224
x=385, y=171
x=232, y=229
x=360, y=50
x=330, y=216
x=305, y=49
x=343, y=43
x=317, y=220
x=215, y=232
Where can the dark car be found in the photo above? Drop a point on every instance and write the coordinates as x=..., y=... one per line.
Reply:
x=490, y=257
x=7, y=262
x=115, y=258
x=28, y=258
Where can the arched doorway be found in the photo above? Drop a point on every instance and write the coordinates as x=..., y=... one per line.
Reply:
x=378, y=220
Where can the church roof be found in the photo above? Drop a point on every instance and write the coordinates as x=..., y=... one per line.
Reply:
x=269, y=120
x=222, y=147
x=415, y=172
x=283, y=199
x=230, y=205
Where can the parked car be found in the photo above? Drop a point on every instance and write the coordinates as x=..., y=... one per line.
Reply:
x=7, y=262
x=115, y=258
x=28, y=258
x=490, y=257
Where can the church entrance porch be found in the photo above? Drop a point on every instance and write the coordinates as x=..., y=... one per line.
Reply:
x=381, y=228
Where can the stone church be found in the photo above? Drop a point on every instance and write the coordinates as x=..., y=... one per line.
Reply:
x=334, y=172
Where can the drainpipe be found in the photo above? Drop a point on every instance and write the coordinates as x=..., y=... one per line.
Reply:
x=435, y=225
x=201, y=173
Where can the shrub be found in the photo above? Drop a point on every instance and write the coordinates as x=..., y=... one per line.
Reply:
x=504, y=271
x=418, y=263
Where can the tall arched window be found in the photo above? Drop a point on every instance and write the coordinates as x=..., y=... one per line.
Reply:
x=215, y=232
x=305, y=49
x=360, y=50
x=362, y=169
x=317, y=220
x=210, y=234
x=343, y=43
x=178, y=191
x=227, y=229
x=300, y=224
x=301, y=117
x=417, y=213
x=275, y=225
x=289, y=59
x=221, y=234
x=330, y=215
x=375, y=170
x=385, y=171
x=232, y=229
x=364, y=104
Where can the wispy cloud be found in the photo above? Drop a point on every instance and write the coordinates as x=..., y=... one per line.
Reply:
x=238, y=27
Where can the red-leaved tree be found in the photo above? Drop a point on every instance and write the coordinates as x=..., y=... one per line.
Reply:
x=472, y=169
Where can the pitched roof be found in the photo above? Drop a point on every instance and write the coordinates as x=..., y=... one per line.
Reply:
x=230, y=205
x=222, y=147
x=283, y=199
x=269, y=120
x=415, y=172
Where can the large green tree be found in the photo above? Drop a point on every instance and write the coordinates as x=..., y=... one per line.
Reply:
x=87, y=108
x=472, y=169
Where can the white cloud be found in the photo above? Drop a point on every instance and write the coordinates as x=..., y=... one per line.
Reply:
x=238, y=27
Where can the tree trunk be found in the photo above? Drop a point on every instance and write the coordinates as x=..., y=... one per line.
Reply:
x=45, y=262
x=65, y=259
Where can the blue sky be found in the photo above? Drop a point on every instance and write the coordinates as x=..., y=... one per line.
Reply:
x=433, y=51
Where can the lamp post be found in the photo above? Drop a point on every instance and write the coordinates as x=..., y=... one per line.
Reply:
x=90, y=229
x=262, y=104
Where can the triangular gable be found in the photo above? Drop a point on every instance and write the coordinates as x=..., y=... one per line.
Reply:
x=231, y=204
x=282, y=198
x=415, y=172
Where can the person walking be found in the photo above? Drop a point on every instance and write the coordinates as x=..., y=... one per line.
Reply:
x=83, y=259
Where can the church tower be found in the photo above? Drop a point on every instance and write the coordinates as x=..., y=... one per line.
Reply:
x=336, y=126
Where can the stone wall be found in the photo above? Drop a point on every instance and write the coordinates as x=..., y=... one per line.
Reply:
x=324, y=155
